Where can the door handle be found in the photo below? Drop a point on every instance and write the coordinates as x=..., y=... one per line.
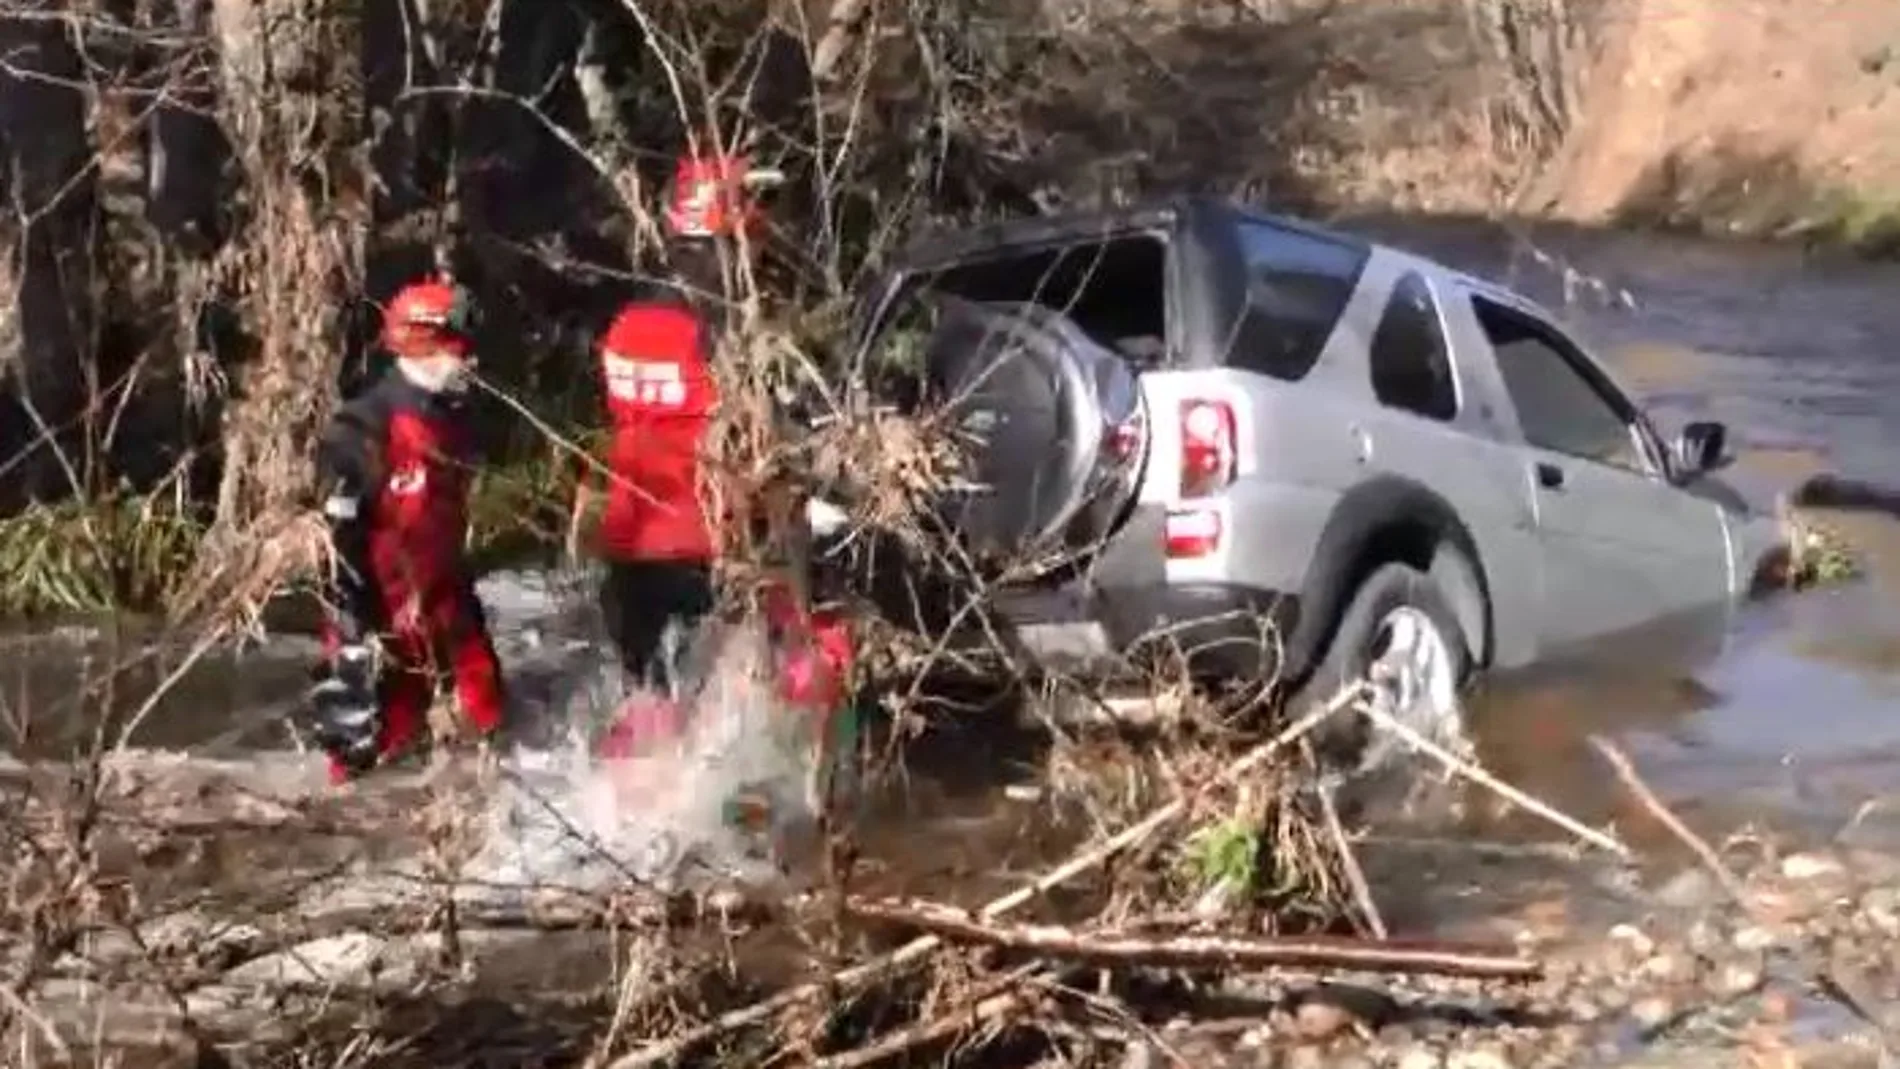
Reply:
x=1549, y=476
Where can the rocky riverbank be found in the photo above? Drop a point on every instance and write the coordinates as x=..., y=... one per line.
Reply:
x=245, y=905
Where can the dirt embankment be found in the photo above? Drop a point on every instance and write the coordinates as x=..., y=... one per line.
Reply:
x=1762, y=117
x=1771, y=116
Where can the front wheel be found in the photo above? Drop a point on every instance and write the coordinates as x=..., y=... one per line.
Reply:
x=1400, y=634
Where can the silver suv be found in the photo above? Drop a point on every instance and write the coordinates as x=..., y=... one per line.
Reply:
x=1189, y=420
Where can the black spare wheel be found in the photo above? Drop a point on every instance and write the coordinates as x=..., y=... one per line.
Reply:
x=1042, y=416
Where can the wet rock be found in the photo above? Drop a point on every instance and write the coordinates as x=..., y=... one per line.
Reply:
x=1690, y=889
x=1319, y=1020
x=1652, y=1011
x=1707, y=938
x=1738, y=977
x=1632, y=939
x=1880, y=908
x=1482, y=1057
x=1754, y=938
x=1669, y=967
x=1612, y=998
x=1582, y=1009
x=1810, y=866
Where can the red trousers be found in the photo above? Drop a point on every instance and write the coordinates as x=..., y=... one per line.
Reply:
x=447, y=639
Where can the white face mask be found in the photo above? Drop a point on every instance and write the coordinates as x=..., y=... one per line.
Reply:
x=438, y=374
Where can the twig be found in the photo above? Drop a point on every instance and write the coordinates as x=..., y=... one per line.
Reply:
x=1113, y=948
x=1625, y=771
x=1485, y=779
x=1349, y=860
x=668, y=1049
x=996, y=999
x=24, y=1010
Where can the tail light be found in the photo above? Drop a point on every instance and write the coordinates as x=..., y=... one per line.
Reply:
x=1208, y=447
x=1193, y=533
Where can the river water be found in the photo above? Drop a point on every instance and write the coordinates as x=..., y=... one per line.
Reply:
x=1798, y=721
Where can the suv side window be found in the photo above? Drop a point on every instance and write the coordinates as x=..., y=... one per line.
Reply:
x=1561, y=407
x=1411, y=364
x=1297, y=284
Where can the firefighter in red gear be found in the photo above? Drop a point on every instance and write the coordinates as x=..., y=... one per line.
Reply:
x=395, y=463
x=655, y=367
x=654, y=529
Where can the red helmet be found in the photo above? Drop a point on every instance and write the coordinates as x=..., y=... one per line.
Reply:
x=429, y=319
x=711, y=197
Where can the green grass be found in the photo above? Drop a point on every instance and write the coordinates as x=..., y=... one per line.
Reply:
x=124, y=552
x=114, y=552
x=1869, y=225
x=1226, y=854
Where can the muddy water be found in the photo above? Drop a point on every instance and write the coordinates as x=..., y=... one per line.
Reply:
x=1798, y=722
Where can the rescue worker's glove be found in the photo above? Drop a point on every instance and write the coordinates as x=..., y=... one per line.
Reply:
x=345, y=715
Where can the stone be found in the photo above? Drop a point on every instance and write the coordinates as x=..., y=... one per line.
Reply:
x=1880, y=908
x=1317, y=1021
x=1668, y=967
x=1481, y=1057
x=1736, y=978
x=1690, y=889
x=1421, y=1058
x=1632, y=939
x=1652, y=1011
x=1811, y=866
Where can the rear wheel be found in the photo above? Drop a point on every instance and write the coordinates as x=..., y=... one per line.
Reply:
x=1400, y=634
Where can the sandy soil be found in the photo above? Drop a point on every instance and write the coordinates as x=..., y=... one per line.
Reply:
x=1747, y=108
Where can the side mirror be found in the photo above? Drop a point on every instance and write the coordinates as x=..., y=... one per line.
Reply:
x=1701, y=448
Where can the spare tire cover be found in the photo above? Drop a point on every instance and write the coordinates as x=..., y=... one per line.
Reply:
x=1023, y=392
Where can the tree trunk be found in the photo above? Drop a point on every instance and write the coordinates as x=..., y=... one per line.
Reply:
x=295, y=269
x=51, y=186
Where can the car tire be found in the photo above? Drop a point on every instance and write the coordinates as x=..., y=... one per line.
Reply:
x=1400, y=612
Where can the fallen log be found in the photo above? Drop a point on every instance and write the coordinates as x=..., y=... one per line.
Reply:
x=229, y=936
x=1234, y=951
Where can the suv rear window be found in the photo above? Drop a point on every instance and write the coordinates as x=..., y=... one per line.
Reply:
x=1297, y=285
x=1114, y=290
